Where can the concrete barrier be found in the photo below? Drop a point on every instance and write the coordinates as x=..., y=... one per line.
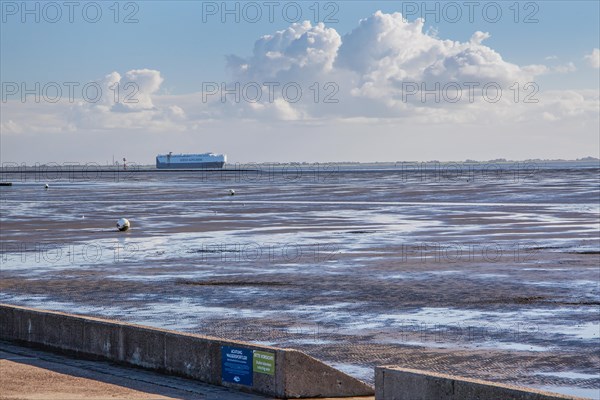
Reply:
x=395, y=383
x=284, y=373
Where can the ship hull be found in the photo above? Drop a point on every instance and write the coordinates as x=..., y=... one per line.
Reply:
x=202, y=165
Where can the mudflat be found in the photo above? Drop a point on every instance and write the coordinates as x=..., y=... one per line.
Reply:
x=493, y=278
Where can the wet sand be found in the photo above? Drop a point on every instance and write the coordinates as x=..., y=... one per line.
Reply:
x=492, y=278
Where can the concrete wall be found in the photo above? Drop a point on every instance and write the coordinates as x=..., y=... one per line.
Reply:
x=394, y=383
x=296, y=374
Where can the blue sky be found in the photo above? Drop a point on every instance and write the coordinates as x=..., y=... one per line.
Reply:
x=172, y=39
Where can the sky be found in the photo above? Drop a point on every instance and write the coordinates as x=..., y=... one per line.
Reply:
x=313, y=81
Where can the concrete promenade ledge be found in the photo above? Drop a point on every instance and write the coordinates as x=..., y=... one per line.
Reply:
x=252, y=370
x=281, y=373
x=32, y=374
x=396, y=383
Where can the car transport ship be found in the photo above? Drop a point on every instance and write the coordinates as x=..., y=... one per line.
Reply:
x=179, y=161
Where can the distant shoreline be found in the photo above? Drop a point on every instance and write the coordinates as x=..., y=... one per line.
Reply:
x=317, y=167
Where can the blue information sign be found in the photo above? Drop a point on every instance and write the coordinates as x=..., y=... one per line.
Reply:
x=236, y=365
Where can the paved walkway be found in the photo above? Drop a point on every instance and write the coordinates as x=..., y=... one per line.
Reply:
x=30, y=374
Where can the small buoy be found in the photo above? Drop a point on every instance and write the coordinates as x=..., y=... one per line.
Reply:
x=46, y=186
x=231, y=192
x=123, y=224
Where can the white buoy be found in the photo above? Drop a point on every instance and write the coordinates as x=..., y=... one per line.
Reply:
x=231, y=192
x=123, y=224
x=46, y=186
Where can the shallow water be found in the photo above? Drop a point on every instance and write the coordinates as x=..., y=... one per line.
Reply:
x=359, y=268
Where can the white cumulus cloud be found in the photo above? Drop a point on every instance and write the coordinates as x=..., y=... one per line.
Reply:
x=132, y=92
x=298, y=50
x=370, y=66
x=593, y=58
x=386, y=49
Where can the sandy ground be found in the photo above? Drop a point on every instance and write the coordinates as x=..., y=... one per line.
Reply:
x=21, y=381
x=492, y=278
